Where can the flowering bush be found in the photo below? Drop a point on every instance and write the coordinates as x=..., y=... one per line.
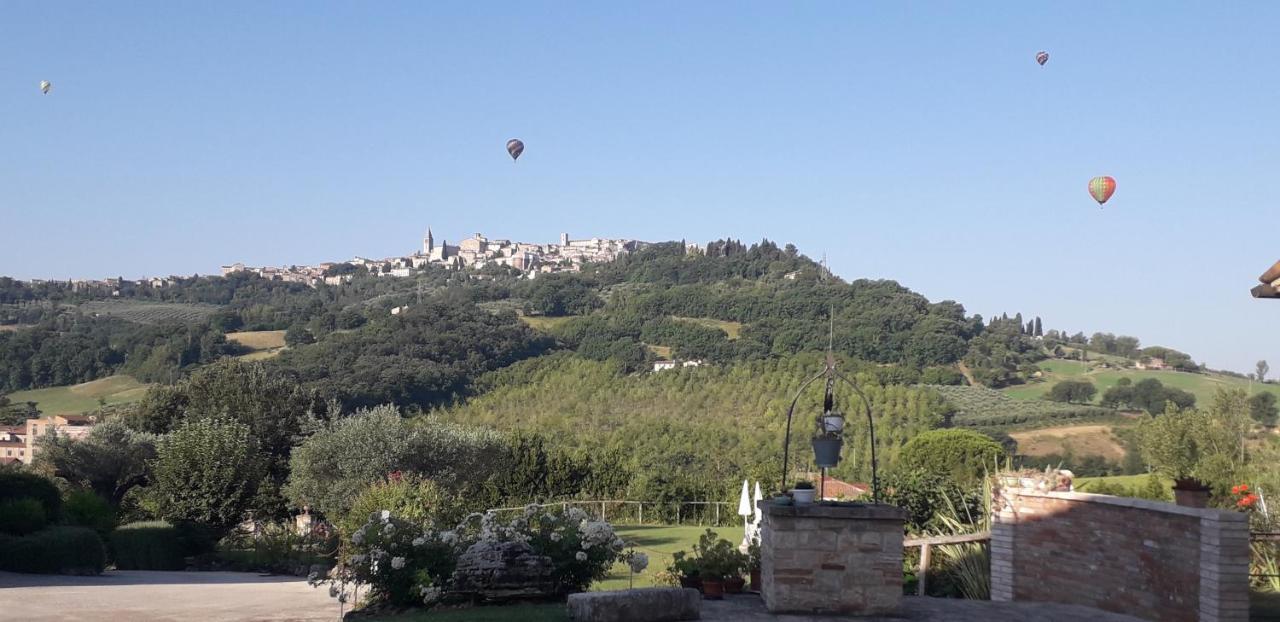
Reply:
x=404, y=563
x=1244, y=499
x=581, y=550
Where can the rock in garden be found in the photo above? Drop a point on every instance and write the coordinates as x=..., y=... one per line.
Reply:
x=503, y=570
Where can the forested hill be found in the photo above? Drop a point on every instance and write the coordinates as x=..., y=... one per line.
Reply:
x=732, y=303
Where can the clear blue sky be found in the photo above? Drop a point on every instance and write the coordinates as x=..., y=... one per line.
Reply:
x=918, y=142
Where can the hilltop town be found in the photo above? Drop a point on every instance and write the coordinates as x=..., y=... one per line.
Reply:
x=474, y=252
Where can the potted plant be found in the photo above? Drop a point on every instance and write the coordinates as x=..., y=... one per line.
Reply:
x=686, y=569
x=1180, y=445
x=753, y=564
x=804, y=492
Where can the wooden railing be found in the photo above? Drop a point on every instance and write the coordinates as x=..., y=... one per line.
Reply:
x=926, y=544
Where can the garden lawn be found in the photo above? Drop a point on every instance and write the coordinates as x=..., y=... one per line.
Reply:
x=659, y=542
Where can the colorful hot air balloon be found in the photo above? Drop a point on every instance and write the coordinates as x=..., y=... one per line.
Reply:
x=1101, y=188
x=46, y=86
x=1042, y=57
x=515, y=147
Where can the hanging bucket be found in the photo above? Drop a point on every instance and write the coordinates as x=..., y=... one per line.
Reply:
x=826, y=451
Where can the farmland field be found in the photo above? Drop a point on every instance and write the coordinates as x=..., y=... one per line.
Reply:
x=732, y=329
x=978, y=407
x=149, y=312
x=1078, y=440
x=75, y=399
x=264, y=344
x=544, y=323
x=1202, y=386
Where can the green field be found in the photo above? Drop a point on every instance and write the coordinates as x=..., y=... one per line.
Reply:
x=149, y=312
x=81, y=398
x=1131, y=481
x=1202, y=386
x=544, y=323
x=732, y=329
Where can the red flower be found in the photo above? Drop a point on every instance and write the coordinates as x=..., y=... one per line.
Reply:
x=1247, y=501
x=1242, y=488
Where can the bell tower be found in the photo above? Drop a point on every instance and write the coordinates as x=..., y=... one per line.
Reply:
x=428, y=243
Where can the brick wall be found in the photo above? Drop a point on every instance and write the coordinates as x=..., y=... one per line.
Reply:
x=1147, y=559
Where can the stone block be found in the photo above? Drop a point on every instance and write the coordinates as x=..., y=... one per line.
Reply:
x=644, y=605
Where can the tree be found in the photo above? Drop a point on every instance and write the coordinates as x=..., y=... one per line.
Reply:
x=207, y=472
x=1263, y=409
x=111, y=459
x=1262, y=368
x=1039, y=328
x=1072, y=391
x=960, y=455
x=335, y=464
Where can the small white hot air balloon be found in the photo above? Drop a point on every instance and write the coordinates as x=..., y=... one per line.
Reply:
x=46, y=86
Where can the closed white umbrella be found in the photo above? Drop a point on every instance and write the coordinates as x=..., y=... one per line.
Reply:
x=744, y=502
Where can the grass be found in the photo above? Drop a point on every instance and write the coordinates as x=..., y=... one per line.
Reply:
x=1203, y=386
x=544, y=323
x=732, y=329
x=660, y=351
x=75, y=399
x=264, y=344
x=258, y=339
x=657, y=541
x=1078, y=440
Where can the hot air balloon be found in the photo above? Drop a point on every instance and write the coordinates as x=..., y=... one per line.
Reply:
x=1042, y=57
x=46, y=86
x=515, y=147
x=1101, y=188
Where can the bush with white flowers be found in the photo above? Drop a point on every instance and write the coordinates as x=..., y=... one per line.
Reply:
x=406, y=564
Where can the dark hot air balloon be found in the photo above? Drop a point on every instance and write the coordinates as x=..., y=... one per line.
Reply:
x=1042, y=57
x=1101, y=188
x=515, y=147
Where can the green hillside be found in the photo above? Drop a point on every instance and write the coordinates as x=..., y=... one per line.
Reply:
x=75, y=399
x=1202, y=386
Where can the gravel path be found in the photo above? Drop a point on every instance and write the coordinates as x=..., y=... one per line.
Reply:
x=150, y=596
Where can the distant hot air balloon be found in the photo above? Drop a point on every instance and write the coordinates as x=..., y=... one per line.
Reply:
x=46, y=86
x=1042, y=57
x=515, y=147
x=1101, y=188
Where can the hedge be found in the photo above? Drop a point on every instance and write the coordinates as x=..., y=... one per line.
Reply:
x=16, y=485
x=56, y=550
x=149, y=545
x=20, y=517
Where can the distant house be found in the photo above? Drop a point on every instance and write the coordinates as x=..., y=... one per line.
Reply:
x=1153, y=362
x=833, y=489
x=664, y=365
x=71, y=426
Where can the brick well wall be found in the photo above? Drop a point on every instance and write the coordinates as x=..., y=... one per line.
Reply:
x=1147, y=559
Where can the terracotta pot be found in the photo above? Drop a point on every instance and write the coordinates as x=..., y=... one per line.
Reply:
x=734, y=585
x=693, y=582
x=712, y=590
x=1191, y=497
x=756, y=585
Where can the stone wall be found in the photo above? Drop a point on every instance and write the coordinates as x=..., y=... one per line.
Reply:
x=831, y=559
x=1147, y=559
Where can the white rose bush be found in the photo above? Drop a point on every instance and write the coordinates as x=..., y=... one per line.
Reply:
x=404, y=564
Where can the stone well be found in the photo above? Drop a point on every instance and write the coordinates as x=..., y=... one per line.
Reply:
x=831, y=559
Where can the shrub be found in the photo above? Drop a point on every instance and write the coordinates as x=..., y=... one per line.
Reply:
x=84, y=508
x=962, y=455
x=56, y=550
x=410, y=497
x=151, y=545
x=24, y=485
x=21, y=516
x=207, y=472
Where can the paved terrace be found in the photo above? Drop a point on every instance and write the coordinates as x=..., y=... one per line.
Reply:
x=751, y=609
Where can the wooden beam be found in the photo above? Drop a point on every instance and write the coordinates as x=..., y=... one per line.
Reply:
x=922, y=573
x=1265, y=291
x=956, y=539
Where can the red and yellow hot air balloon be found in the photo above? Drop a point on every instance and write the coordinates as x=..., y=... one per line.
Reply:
x=1042, y=57
x=1101, y=188
x=515, y=147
